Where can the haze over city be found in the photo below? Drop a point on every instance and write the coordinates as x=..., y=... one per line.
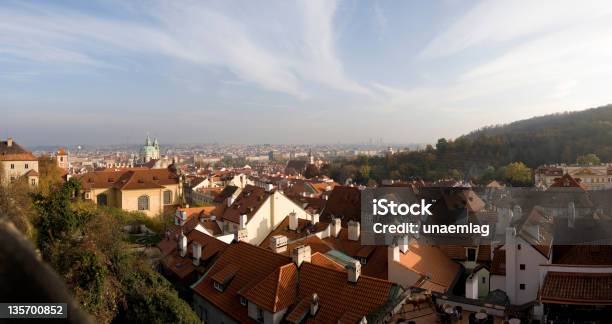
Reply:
x=101, y=72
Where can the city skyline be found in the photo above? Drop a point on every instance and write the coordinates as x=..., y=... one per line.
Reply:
x=298, y=72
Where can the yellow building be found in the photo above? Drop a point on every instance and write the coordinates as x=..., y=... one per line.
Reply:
x=150, y=191
x=16, y=162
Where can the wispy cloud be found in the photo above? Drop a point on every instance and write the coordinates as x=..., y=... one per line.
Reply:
x=290, y=50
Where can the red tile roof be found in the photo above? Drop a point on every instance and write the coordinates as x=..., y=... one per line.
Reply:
x=183, y=266
x=338, y=298
x=431, y=262
x=255, y=265
x=14, y=152
x=498, y=265
x=129, y=179
x=248, y=202
x=577, y=288
x=277, y=291
x=344, y=202
x=320, y=259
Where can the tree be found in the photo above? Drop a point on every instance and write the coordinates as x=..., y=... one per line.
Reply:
x=588, y=159
x=50, y=175
x=517, y=173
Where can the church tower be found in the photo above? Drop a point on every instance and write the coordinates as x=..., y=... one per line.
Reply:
x=150, y=151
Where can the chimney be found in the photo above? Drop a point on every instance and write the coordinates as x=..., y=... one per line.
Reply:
x=315, y=218
x=571, y=214
x=353, y=230
x=197, y=253
x=278, y=243
x=393, y=252
x=314, y=304
x=9, y=142
x=336, y=227
x=404, y=244
x=230, y=201
x=182, y=244
x=293, y=221
x=242, y=235
x=353, y=269
x=269, y=187
x=243, y=221
x=301, y=254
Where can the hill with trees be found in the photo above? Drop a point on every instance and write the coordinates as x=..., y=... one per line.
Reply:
x=503, y=152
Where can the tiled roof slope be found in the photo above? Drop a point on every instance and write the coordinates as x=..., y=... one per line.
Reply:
x=14, y=152
x=255, y=264
x=129, y=179
x=577, y=288
x=339, y=299
x=277, y=291
x=248, y=202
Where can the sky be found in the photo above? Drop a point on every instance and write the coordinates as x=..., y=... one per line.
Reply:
x=282, y=72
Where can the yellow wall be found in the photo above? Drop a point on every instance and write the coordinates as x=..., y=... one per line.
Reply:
x=128, y=199
x=18, y=170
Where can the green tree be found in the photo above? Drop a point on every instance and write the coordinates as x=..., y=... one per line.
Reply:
x=588, y=159
x=517, y=173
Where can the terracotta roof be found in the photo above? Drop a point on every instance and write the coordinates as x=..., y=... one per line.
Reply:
x=248, y=202
x=431, y=262
x=338, y=298
x=32, y=173
x=577, y=288
x=320, y=259
x=344, y=202
x=255, y=265
x=226, y=274
x=277, y=291
x=129, y=179
x=312, y=205
x=567, y=181
x=586, y=255
x=304, y=229
x=183, y=266
x=14, y=152
x=458, y=252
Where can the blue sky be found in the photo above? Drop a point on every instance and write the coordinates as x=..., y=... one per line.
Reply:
x=107, y=72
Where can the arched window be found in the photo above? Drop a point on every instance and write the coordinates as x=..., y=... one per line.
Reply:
x=143, y=203
x=102, y=200
x=167, y=197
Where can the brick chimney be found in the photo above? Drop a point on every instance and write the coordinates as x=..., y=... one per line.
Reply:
x=353, y=230
x=293, y=221
x=278, y=243
x=353, y=270
x=300, y=254
x=197, y=253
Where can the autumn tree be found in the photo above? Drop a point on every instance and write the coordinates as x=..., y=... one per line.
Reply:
x=588, y=159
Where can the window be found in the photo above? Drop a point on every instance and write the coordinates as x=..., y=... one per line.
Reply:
x=26, y=166
x=363, y=260
x=102, y=200
x=12, y=166
x=87, y=195
x=522, y=266
x=143, y=203
x=218, y=286
x=522, y=286
x=12, y=179
x=518, y=246
x=61, y=159
x=260, y=315
x=167, y=197
x=33, y=182
x=471, y=254
x=484, y=280
x=243, y=301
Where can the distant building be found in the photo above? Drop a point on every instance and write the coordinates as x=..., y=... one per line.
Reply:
x=16, y=162
x=62, y=158
x=147, y=191
x=150, y=151
x=592, y=177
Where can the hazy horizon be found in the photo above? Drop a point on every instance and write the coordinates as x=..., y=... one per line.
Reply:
x=346, y=71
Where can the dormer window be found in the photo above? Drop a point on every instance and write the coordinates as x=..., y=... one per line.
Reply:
x=243, y=301
x=471, y=254
x=219, y=287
